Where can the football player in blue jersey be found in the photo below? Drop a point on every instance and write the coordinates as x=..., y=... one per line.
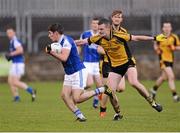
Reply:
x=91, y=59
x=75, y=75
x=17, y=69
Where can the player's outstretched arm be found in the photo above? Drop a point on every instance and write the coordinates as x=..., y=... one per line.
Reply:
x=158, y=38
x=177, y=47
x=141, y=38
x=81, y=42
x=100, y=50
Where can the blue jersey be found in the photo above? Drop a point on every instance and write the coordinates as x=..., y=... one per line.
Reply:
x=14, y=43
x=89, y=52
x=73, y=63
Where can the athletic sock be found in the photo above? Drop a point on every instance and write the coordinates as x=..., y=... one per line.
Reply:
x=99, y=90
x=29, y=90
x=150, y=100
x=174, y=93
x=153, y=91
x=96, y=98
x=102, y=109
x=155, y=87
x=16, y=98
x=79, y=114
x=117, y=109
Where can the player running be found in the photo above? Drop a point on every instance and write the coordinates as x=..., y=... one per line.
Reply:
x=120, y=58
x=117, y=19
x=91, y=59
x=75, y=75
x=17, y=69
x=165, y=50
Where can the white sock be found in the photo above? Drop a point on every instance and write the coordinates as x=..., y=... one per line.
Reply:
x=99, y=90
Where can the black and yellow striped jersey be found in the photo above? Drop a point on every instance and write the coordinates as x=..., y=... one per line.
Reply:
x=116, y=48
x=166, y=47
x=105, y=59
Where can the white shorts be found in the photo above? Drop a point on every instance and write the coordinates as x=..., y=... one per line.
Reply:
x=76, y=80
x=92, y=68
x=17, y=69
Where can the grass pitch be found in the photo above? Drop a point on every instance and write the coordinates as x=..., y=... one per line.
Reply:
x=49, y=113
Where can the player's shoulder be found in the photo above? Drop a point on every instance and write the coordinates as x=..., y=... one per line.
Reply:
x=122, y=35
x=174, y=35
x=87, y=32
x=96, y=37
x=17, y=41
x=122, y=29
x=119, y=33
x=68, y=39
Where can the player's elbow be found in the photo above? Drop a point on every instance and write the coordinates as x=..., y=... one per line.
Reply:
x=20, y=50
x=64, y=59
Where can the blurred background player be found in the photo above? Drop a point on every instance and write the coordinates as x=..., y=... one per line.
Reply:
x=120, y=58
x=75, y=75
x=165, y=50
x=91, y=59
x=17, y=69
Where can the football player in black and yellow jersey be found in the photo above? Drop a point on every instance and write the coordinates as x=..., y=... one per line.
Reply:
x=119, y=57
x=165, y=50
x=116, y=18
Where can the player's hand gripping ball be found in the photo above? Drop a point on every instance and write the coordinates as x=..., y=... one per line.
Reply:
x=55, y=47
x=8, y=56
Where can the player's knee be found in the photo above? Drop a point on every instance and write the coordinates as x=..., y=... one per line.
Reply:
x=133, y=83
x=87, y=87
x=15, y=83
x=64, y=96
x=120, y=89
x=171, y=78
x=9, y=81
x=163, y=78
x=77, y=100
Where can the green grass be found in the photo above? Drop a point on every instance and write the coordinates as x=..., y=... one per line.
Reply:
x=49, y=113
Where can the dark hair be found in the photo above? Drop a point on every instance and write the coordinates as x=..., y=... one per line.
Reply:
x=95, y=18
x=10, y=28
x=115, y=12
x=56, y=27
x=165, y=22
x=104, y=21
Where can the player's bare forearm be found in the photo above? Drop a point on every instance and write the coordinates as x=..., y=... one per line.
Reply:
x=81, y=42
x=100, y=50
x=18, y=51
x=57, y=56
x=63, y=56
x=141, y=38
x=177, y=48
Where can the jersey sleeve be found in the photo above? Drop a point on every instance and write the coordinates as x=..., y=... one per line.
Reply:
x=67, y=45
x=17, y=43
x=123, y=35
x=177, y=42
x=82, y=36
x=94, y=39
x=124, y=30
